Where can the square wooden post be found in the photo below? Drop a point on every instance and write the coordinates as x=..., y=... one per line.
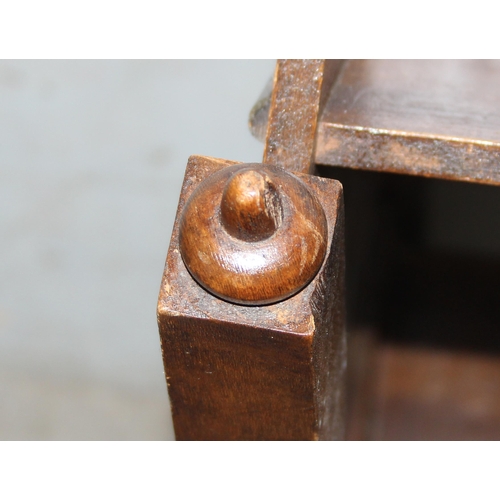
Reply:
x=256, y=372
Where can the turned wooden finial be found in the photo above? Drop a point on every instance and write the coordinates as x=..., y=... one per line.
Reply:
x=253, y=234
x=250, y=208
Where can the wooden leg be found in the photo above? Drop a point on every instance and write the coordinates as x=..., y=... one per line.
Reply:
x=256, y=372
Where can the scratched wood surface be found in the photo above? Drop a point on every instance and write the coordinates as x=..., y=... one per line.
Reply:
x=428, y=118
x=300, y=90
x=263, y=372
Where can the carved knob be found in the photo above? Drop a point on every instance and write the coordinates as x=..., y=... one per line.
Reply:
x=253, y=234
x=250, y=207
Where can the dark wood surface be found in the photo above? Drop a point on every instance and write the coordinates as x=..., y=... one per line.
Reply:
x=427, y=365
x=299, y=93
x=428, y=118
x=432, y=371
x=277, y=371
x=405, y=392
x=253, y=234
x=261, y=372
x=427, y=394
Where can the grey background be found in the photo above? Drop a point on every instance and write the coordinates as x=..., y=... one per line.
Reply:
x=92, y=156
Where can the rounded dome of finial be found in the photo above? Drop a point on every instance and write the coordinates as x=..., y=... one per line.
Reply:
x=253, y=234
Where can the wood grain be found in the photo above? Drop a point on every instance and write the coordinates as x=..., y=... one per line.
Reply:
x=264, y=372
x=226, y=229
x=251, y=208
x=299, y=93
x=428, y=118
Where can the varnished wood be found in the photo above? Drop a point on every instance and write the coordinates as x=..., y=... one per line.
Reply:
x=264, y=372
x=428, y=118
x=298, y=96
x=251, y=207
x=253, y=234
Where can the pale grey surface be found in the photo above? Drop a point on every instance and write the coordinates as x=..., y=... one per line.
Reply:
x=92, y=157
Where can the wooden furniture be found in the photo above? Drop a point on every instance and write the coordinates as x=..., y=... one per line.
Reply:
x=251, y=309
